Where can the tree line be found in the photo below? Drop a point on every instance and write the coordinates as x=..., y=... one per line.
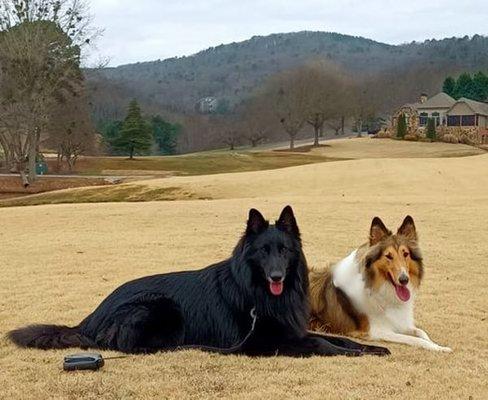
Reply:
x=315, y=97
x=473, y=87
x=319, y=95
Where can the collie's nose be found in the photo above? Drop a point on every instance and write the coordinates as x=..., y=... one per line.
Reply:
x=276, y=276
x=403, y=279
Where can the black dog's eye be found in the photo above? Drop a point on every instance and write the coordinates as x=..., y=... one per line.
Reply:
x=283, y=249
x=389, y=256
x=265, y=249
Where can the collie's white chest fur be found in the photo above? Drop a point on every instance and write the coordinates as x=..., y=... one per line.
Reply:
x=382, y=307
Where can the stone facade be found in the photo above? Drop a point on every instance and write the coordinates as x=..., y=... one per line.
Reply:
x=412, y=119
x=464, y=134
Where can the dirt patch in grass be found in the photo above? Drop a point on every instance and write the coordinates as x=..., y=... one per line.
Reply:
x=13, y=184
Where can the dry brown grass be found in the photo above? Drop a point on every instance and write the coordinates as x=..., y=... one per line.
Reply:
x=226, y=164
x=58, y=262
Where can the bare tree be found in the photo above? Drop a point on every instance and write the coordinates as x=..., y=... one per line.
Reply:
x=257, y=119
x=229, y=130
x=71, y=131
x=337, y=125
x=288, y=95
x=40, y=55
x=327, y=88
x=364, y=103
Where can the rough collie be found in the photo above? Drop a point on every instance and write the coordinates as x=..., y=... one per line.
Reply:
x=371, y=292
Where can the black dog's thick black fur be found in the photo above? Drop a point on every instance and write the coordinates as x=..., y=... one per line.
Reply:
x=210, y=307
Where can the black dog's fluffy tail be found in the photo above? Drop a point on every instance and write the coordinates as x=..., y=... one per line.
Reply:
x=49, y=337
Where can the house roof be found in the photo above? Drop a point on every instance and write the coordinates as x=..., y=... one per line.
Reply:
x=440, y=100
x=476, y=106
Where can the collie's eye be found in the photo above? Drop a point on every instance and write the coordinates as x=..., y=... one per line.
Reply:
x=406, y=254
x=389, y=256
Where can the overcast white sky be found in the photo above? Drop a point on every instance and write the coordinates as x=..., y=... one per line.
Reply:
x=143, y=30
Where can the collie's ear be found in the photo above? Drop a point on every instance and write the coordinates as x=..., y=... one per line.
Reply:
x=407, y=229
x=256, y=222
x=378, y=231
x=287, y=222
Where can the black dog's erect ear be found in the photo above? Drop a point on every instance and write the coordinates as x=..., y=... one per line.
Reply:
x=378, y=231
x=287, y=222
x=407, y=229
x=256, y=222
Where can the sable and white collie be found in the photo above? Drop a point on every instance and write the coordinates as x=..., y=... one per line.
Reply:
x=371, y=292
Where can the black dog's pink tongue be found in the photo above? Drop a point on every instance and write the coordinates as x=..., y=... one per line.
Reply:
x=276, y=288
x=402, y=292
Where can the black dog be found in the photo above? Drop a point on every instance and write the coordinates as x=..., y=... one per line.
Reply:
x=210, y=308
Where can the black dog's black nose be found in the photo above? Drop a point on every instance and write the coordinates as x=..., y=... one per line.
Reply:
x=276, y=276
x=403, y=279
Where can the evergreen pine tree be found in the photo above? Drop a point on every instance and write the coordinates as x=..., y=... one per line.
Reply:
x=165, y=134
x=135, y=135
x=430, y=130
x=401, y=127
x=464, y=86
x=480, y=86
x=449, y=86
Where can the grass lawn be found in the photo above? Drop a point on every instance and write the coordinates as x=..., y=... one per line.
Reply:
x=59, y=262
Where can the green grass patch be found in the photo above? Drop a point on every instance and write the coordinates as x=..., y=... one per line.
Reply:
x=205, y=163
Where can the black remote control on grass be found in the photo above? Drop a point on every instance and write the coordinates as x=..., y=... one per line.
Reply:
x=83, y=361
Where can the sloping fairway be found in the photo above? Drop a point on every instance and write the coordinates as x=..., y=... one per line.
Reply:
x=222, y=162
x=58, y=262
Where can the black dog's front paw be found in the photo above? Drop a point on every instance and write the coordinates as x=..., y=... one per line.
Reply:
x=376, y=350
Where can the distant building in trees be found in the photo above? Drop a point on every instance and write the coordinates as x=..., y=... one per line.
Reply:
x=207, y=105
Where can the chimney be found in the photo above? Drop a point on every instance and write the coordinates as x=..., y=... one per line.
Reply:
x=423, y=98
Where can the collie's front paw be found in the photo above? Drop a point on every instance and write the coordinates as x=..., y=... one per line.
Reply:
x=442, y=348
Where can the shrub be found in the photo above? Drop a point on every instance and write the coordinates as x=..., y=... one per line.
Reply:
x=464, y=139
x=383, y=134
x=430, y=130
x=413, y=137
x=450, y=138
x=401, y=126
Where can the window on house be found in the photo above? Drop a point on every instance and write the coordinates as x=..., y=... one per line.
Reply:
x=436, y=117
x=468, y=120
x=453, y=120
x=423, y=117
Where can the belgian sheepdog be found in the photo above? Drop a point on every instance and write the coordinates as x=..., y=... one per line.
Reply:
x=210, y=308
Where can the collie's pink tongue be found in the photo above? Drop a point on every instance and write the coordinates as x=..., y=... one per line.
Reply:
x=276, y=288
x=402, y=292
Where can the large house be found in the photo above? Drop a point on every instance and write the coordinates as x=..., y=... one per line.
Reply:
x=458, y=117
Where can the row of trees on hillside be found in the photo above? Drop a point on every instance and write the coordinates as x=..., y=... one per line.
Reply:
x=42, y=97
x=473, y=87
x=318, y=94
x=138, y=135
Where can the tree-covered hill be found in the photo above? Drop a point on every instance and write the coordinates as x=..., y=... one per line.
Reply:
x=231, y=72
